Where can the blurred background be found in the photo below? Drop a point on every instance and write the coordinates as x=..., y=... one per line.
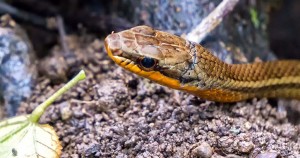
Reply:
x=102, y=17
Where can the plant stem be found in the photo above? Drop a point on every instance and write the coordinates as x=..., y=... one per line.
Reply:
x=38, y=111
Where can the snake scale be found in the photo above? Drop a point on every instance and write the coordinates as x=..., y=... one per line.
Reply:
x=183, y=65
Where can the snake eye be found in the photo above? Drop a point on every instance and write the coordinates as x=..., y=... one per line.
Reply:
x=147, y=63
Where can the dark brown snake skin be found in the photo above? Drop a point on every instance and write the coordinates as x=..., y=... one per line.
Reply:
x=189, y=67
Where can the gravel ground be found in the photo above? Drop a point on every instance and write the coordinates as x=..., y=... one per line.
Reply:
x=114, y=113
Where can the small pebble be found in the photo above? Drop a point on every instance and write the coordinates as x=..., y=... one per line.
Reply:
x=268, y=155
x=203, y=151
x=247, y=125
x=245, y=147
x=93, y=149
x=65, y=111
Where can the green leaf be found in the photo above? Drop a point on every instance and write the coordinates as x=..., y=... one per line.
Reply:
x=22, y=136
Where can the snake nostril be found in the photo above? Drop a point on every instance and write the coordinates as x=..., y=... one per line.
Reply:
x=112, y=42
x=117, y=52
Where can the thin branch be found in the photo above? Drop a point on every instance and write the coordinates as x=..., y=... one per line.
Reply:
x=210, y=22
x=62, y=34
x=22, y=15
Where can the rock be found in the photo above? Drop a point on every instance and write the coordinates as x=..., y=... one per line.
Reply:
x=17, y=68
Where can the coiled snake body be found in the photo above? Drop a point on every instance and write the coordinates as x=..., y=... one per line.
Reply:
x=183, y=65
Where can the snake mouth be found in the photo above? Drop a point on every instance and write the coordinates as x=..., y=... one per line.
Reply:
x=115, y=55
x=113, y=48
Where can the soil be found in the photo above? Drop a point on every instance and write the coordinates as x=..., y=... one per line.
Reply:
x=114, y=113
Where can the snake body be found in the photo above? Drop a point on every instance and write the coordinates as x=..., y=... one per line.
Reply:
x=183, y=65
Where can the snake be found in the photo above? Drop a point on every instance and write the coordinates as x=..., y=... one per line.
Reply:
x=177, y=63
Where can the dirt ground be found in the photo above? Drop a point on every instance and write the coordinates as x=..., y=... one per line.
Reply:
x=114, y=113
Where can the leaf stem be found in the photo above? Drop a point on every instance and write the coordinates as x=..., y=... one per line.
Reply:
x=38, y=111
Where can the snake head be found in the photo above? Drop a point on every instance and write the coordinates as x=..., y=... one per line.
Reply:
x=156, y=55
x=136, y=45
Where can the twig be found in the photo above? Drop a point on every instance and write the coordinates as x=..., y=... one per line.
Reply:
x=210, y=22
x=22, y=15
x=62, y=35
